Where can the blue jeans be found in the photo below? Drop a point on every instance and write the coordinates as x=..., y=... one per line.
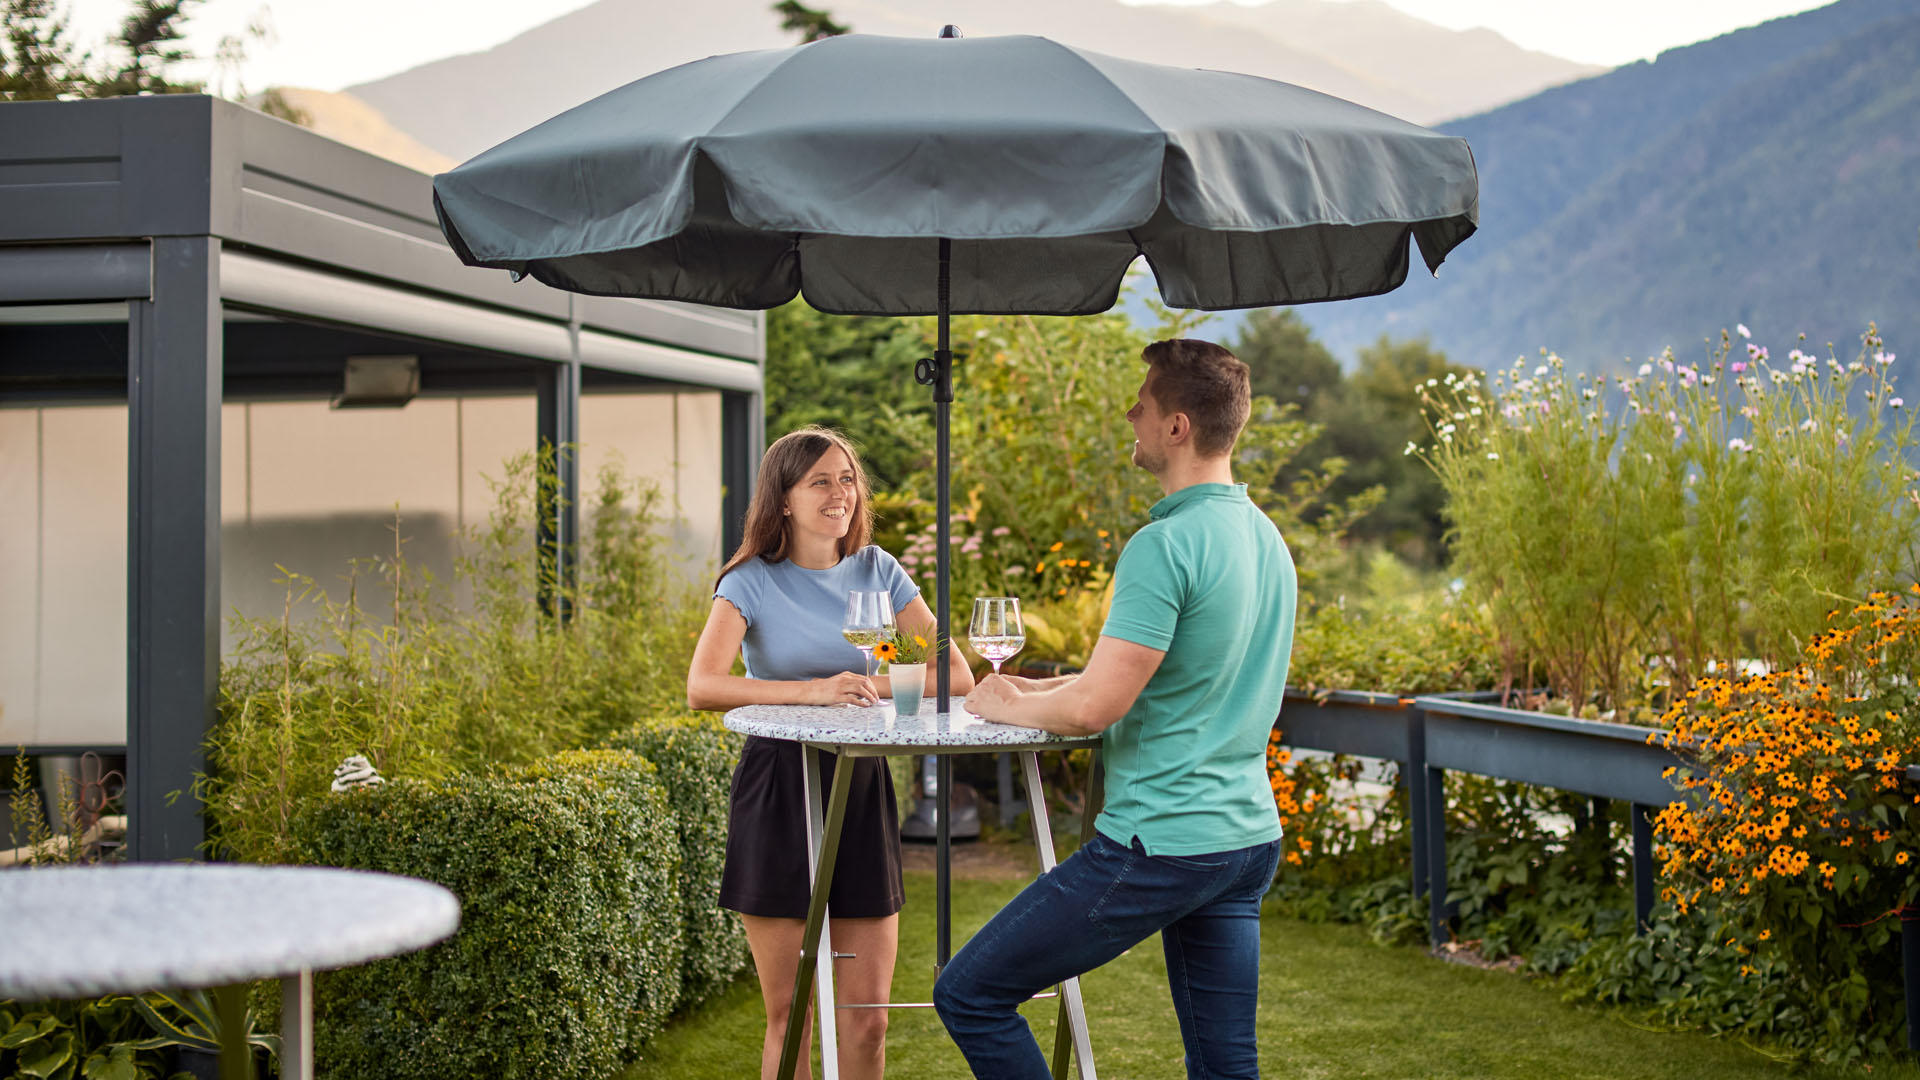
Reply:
x=1090, y=909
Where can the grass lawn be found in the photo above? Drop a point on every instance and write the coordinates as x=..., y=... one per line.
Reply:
x=1332, y=1004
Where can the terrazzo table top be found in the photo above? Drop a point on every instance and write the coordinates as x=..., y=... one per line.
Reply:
x=83, y=931
x=876, y=726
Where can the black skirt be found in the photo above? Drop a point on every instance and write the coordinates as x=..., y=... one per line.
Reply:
x=766, y=868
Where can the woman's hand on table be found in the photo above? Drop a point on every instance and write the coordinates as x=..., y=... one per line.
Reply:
x=846, y=688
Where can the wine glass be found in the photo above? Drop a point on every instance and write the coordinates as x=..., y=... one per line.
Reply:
x=869, y=621
x=996, y=631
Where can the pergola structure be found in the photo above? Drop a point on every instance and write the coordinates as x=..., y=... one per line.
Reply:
x=174, y=252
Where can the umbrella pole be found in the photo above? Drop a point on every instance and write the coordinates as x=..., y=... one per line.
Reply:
x=943, y=498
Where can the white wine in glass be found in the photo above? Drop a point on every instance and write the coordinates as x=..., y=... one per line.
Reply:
x=869, y=622
x=996, y=631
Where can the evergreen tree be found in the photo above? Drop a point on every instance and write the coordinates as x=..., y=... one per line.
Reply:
x=36, y=59
x=150, y=37
x=812, y=24
x=1289, y=364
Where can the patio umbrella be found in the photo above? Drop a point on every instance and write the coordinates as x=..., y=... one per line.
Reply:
x=998, y=175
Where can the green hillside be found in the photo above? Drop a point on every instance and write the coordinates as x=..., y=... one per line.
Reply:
x=1767, y=177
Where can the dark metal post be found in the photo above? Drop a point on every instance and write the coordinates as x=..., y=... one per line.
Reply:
x=1642, y=866
x=174, y=364
x=943, y=419
x=1438, y=932
x=1910, y=971
x=1415, y=770
x=742, y=433
x=557, y=403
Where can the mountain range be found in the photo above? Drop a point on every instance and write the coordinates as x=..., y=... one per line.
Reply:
x=1765, y=177
x=1361, y=50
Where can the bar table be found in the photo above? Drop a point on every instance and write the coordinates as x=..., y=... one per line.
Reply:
x=86, y=931
x=874, y=731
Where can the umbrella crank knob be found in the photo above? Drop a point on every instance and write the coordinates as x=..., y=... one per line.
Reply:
x=936, y=371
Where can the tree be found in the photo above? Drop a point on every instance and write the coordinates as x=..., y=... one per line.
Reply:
x=150, y=36
x=1370, y=424
x=812, y=24
x=1289, y=364
x=850, y=373
x=37, y=62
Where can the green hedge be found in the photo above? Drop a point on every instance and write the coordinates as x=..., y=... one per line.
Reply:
x=695, y=756
x=570, y=948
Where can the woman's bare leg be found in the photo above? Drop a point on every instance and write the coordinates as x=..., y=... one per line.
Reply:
x=864, y=978
x=776, y=958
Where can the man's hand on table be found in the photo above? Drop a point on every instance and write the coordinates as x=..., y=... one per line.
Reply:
x=993, y=696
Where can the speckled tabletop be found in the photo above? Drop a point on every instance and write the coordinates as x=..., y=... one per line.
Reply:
x=876, y=726
x=83, y=931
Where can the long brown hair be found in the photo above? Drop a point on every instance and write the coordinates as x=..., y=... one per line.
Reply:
x=768, y=533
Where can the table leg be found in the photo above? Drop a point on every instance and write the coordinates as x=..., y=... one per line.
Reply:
x=823, y=843
x=1072, y=1025
x=296, y=1027
x=230, y=1009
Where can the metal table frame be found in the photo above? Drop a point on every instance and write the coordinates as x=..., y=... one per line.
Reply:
x=823, y=849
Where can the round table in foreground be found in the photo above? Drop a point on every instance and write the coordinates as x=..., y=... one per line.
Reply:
x=86, y=931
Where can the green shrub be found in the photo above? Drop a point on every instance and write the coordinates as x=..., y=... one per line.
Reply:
x=426, y=689
x=1046, y=493
x=1715, y=516
x=570, y=947
x=695, y=756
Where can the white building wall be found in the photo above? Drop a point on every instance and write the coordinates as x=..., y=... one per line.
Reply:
x=303, y=486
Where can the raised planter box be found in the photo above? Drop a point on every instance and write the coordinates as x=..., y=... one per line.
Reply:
x=1432, y=734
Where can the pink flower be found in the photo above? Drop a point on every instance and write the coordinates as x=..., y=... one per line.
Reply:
x=1896, y=402
x=1739, y=366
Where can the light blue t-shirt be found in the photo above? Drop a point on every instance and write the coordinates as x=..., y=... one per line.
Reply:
x=794, y=614
x=1210, y=583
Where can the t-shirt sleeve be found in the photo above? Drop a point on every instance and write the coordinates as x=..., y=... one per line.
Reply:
x=894, y=578
x=1146, y=594
x=741, y=588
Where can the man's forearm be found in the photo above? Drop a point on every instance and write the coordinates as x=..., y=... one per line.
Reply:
x=1059, y=708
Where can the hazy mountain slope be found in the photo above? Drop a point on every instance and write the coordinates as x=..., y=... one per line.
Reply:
x=464, y=104
x=1458, y=72
x=1764, y=177
x=347, y=119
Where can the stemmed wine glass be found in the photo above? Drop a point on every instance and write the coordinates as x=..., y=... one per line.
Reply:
x=869, y=621
x=996, y=631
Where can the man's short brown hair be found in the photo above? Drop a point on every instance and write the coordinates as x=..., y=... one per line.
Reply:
x=1208, y=383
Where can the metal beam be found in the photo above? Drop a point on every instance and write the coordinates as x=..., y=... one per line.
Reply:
x=743, y=435
x=75, y=272
x=173, y=544
x=557, y=415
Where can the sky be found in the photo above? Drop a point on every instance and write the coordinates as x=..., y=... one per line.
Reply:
x=325, y=44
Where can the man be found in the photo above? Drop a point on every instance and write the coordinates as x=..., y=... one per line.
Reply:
x=1183, y=688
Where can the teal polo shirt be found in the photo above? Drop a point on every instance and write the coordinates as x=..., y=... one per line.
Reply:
x=1209, y=582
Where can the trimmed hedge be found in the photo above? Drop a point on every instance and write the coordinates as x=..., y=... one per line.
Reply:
x=570, y=949
x=695, y=756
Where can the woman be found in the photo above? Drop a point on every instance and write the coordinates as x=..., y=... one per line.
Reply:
x=779, y=601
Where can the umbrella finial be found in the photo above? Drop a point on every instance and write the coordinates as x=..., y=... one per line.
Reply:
x=951, y=31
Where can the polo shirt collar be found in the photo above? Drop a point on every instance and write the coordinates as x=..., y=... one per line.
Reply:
x=1193, y=493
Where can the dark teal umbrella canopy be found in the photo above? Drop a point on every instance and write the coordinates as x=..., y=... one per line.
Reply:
x=833, y=169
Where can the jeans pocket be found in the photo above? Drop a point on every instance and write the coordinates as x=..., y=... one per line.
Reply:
x=1199, y=864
